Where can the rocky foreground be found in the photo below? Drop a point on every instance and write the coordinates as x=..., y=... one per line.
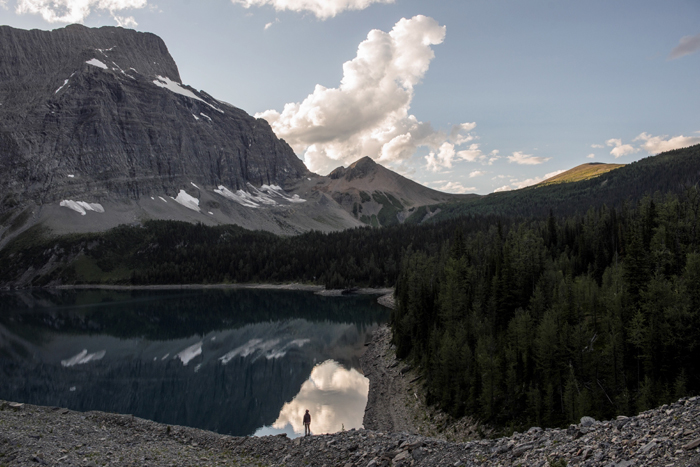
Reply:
x=31, y=435
x=405, y=433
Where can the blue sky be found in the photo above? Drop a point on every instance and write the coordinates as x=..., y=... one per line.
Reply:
x=463, y=95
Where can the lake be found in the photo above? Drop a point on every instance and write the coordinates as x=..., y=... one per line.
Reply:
x=234, y=361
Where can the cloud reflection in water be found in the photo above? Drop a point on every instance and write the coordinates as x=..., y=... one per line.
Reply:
x=335, y=397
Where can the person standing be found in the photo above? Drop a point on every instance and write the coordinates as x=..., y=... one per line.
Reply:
x=307, y=423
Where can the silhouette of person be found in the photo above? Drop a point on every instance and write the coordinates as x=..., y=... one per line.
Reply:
x=307, y=423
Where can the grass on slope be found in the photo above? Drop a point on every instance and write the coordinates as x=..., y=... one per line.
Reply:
x=582, y=172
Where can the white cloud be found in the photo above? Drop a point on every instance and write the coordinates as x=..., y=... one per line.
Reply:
x=446, y=155
x=591, y=156
x=456, y=135
x=76, y=11
x=3, y=4
x=597, y=146
x=472, y=154
x=657, y=144
x=442, y=159
x=271, y=23
x=368, y=114
x=476, y=173
x=526, y=159
x=454, y=187
x=620, y=149
x=686, y=46
x=323, y=9
x=503, y=188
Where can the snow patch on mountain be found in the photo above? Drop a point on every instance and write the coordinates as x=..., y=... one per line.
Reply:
x=190, y=202
x=62, y=86
x=81, y=206
x=258, y=197
x=97, y=63
x=278, y=191
x=189, y=353
x=172, y=86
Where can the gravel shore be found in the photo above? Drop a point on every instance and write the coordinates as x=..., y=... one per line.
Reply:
x=395, y=402
x=31, y=436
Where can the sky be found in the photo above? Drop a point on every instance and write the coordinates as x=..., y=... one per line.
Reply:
x=464, y=96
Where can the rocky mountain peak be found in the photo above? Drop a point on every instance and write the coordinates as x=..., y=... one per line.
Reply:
x=100, y=114
x=49, y=57
x=361, y=168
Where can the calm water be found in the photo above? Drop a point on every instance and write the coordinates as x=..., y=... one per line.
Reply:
x=238, y=362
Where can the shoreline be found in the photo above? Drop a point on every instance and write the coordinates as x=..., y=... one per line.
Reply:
x=396, y=403
x=317, y=289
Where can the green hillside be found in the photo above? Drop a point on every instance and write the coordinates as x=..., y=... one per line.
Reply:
x=667, y=172
x=581, y=172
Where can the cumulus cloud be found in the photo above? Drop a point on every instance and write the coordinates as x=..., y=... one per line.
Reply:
x=368, y=114
x=620, y=149
x=323, y=9
x=76, y=11
x=686, y=46
x=597, y=146
x=442, y=159
x=451, y=187
x=657, y=144
x=447, y=155
x=591, y=156
x=503, y=188
x=476, y=173
x=526, y=159
x=455, y=187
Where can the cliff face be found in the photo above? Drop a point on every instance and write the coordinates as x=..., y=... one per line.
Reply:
x=101, y=114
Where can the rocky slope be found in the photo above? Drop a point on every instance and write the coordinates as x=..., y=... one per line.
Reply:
x=31, y=435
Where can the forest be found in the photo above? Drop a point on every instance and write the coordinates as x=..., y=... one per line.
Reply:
x=541, y=322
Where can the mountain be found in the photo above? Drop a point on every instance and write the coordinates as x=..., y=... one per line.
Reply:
x=377, y=195
x=97, y=130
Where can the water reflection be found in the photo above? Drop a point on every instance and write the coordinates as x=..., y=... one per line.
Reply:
x=233, y=372
x=335, y=397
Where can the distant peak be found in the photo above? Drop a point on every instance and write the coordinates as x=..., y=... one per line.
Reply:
x=359, y=169
x=364, y=162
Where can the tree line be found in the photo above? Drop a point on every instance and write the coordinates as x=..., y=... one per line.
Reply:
x=540, y=322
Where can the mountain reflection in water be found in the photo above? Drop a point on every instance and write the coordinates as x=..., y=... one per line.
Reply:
x=230, y=361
